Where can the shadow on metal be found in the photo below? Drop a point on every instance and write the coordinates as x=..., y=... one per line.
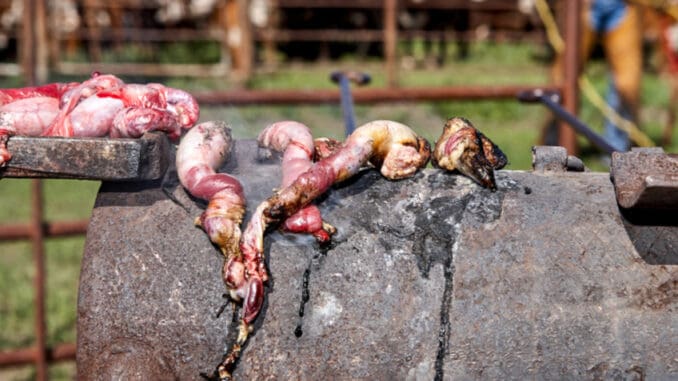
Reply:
x=654, y=235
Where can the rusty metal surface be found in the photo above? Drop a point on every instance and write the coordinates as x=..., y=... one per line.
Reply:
x=88, y=158
x=60, y=352
x=645, y=178
x=555, y=159
x=428, y=278
x=50, y=229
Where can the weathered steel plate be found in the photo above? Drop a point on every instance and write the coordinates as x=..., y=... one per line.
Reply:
x=107, y=159
x=428, y=278
x=645, y=179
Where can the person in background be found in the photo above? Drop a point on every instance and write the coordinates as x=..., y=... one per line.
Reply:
x=616, y=24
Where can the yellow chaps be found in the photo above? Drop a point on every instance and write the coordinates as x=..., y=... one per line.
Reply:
x=623, y=51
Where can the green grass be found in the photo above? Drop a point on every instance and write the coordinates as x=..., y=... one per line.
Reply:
x=513, y=126
x=65, y=200
x=175, y=52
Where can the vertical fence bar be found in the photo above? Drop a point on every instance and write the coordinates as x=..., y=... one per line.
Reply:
x=566, y=135
x=37, y=238
x=27, y=43
x=40, y=38
x=390, y=41
x=28, y=50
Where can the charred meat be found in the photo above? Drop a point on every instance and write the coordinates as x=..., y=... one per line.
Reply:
x=463, y=148
x=296, y=143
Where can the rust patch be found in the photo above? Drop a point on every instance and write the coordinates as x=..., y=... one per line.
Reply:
x=656, y=298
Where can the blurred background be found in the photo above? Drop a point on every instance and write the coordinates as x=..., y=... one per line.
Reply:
x=254, y=62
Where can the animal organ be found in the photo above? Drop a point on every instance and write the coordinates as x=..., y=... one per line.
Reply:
x=100, y=106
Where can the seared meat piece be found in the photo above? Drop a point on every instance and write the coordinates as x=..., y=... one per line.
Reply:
x=202, y=150
x=295, y=141
x=463, y=148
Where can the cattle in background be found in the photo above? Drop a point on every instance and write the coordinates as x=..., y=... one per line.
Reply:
x=438, y=28
x=433, y=28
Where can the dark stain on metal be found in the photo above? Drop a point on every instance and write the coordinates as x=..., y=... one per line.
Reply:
x=433, y=235
x=433, y=225
x=231, y=336
x=434, y=228
x=446, y=181
x=304, y=298
x=485, y=206
x=170, y=184
x=444, y=329
x=435, y=221
x=314, y=262
x=637, y=372
x=223, y=306
x=436, y=224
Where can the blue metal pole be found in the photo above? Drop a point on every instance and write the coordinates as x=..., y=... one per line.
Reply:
x=347, y=104
x=577, y=124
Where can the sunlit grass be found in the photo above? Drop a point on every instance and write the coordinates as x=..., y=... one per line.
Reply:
x=64, y=200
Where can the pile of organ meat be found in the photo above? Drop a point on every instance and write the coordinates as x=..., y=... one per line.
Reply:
x=309, y=168
x=103, y=105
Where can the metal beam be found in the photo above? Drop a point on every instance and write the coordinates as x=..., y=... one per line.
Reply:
x=88, y=158
x=364, y=96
